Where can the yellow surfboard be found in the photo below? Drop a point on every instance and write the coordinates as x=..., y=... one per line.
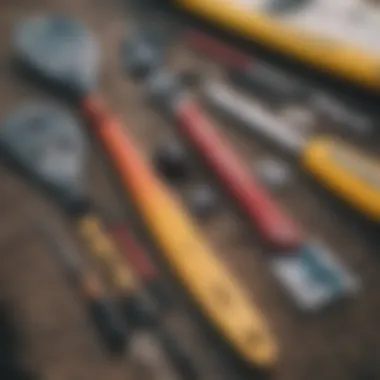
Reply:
x=339, y=37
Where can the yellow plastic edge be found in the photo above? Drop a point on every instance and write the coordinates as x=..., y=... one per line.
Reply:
x=211, y=284
x=317, y=160
x=343, y=60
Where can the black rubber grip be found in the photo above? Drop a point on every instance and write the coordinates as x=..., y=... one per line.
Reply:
x=110, y=324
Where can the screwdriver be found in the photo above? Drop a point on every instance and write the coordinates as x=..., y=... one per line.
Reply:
x=101, y=306
x=276, y=228
x=278, y=87
x=353, y=176
x=102, y=247
x=138, y=309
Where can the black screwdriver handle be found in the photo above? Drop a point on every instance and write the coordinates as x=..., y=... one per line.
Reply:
x=106, y=316
x=110, y=324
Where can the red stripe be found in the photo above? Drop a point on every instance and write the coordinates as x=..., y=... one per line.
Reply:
x=278, y=229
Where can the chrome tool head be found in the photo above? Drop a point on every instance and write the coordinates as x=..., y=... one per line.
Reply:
x=57, y=49
x=47, y=143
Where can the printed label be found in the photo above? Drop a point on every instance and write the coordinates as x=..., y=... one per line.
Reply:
x=313, y=278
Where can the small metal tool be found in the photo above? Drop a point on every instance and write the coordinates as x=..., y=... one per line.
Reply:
x=277, y=229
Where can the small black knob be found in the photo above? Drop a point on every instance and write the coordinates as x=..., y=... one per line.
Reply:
x=172, y=161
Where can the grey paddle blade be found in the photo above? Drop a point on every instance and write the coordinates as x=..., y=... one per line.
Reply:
x=58, y=49
x=47, y=143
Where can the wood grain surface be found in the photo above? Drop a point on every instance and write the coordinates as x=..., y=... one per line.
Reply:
x=60, y=342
